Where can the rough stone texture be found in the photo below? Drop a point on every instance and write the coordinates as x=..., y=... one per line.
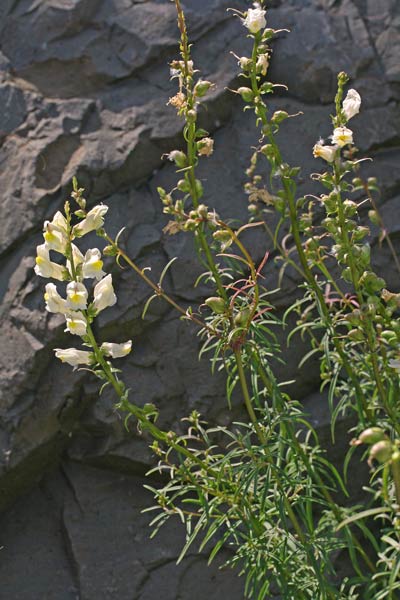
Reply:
x=83, y=91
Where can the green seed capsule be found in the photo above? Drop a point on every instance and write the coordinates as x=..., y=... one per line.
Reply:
x=372, y=435
x=216, y=304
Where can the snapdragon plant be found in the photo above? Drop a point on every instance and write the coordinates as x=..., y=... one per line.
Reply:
x=263, y=487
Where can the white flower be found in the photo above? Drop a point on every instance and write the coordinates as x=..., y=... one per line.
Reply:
x=76, y=324
x=77, y=258
x=104, y=294
x=45, y=267
x=326, y=152
x=93, y=265
x=205, y=146
x=93, y=221
x=351, y=104
x=342, y=136
x=76, y=296
x=73, y=357
x=262, y=64
x=116, y=350
x=54, y=302
x=255, y=20
x=55, y=233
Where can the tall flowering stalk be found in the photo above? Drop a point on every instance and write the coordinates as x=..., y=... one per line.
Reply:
x=369, y=350
x=263, y=487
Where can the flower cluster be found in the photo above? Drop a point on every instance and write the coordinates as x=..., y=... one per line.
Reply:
x=342, y=135
x=77, y=307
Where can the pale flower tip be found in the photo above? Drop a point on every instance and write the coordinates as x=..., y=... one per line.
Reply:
x=351, y=104
x=255, y=19
x=116, y=350
x=328, y=153
x=73, y=357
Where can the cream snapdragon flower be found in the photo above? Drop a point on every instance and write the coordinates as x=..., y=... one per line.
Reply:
x=45, y=267
x=328, y=153
x=93, y=265
x=104, y=295
x=255, y=20
x=77, y=295
x=342, y=136
x=73, y=357
x=351, y=104
x=116, y=350
x=54, y=302
x=76, y=324
x=93, y=221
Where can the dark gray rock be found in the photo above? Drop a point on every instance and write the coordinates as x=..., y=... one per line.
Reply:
x=84, y=86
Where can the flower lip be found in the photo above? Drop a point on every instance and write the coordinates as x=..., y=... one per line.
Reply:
x=342, y=136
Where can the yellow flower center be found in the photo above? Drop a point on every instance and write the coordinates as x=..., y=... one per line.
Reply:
x=75, y=297
x=49, y=236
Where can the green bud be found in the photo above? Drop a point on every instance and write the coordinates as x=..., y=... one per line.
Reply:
x=373, y=217
x=202, y=211
x=110, y=251
x=359, y=233
x=179, y=158
x=389, y=336
x=216, y=304
x=222, y=236
x=190, y=225
x=201, y=88
x=199, y=188
x=161, y=192
x=371, y=282
x=268, y=150
x=191, y=115
x=183, y=185
x=356, y=335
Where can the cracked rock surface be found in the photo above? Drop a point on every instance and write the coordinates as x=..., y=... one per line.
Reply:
x=83, y=91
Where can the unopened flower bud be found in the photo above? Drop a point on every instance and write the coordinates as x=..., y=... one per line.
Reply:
x=222, y=236
x=110, y=251
x=373, y=217
x=191, y=115
x=202, y=211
